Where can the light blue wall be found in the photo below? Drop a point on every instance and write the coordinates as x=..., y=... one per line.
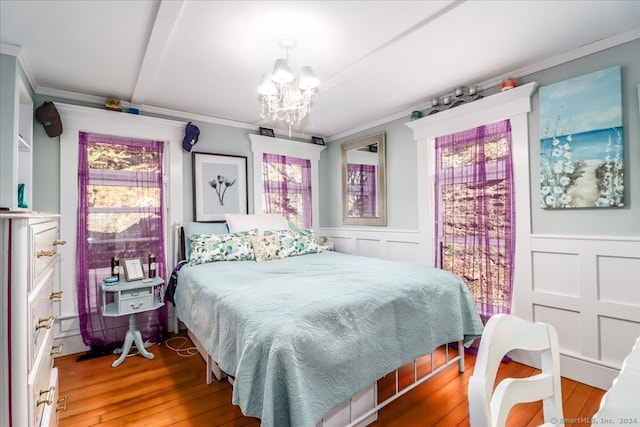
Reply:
x=401, y=160
x=214, y=138
x=402, y=201
x=402, y=174
x=599, y=222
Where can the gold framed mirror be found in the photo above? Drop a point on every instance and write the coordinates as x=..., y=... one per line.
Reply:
x=364, y=181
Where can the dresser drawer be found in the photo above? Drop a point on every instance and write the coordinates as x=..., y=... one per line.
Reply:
x=135, y=293
x=136, y=305
x=45, y=241
x=45, y=353
x=43, y=390
x=41, y=315
x=50, y=412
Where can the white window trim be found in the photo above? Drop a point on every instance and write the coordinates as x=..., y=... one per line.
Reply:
x=83, y=119
x=514, y=105
x=283, y=147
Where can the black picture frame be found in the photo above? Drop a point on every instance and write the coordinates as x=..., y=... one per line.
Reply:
x=317, y=140
x=219, y=186
x=133, y=269
x=267, y=132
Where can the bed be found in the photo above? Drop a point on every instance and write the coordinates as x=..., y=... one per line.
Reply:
x=301, y=334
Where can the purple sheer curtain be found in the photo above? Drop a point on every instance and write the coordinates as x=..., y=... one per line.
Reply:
x=475, y=217
x=120, y=213
x=287, y=188
x=361, y=189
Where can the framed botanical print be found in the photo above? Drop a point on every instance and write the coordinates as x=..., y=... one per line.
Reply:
x=219, y=186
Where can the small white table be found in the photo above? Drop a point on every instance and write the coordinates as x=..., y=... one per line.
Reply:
x=131, y=298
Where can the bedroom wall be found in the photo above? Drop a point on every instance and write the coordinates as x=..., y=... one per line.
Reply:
x=401, y=165
x=581, y=266
x=214, y=138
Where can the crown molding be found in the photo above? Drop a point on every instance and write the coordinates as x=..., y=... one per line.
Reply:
x=521, y=72
x=586, y=50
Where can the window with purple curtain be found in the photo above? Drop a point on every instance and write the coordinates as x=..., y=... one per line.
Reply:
x=287, y=188
x=120, y=214
x=475, y=215
x=361, y=190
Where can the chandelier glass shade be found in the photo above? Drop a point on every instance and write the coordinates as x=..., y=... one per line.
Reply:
x=285, y=95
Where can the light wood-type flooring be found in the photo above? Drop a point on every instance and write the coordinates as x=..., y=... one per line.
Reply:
x=170, y=390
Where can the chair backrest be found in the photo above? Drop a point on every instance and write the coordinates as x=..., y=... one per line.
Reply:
x=503, y=333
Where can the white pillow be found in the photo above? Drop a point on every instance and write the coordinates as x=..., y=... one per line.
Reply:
x=242, y=222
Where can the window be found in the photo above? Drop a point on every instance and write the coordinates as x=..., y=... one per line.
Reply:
x=475, y=219
x=287, y=188
x=120, y=214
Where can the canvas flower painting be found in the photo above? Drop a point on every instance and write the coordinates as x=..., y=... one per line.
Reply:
x=581, y=142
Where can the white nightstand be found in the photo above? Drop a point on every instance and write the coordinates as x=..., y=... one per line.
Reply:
x=130, y=298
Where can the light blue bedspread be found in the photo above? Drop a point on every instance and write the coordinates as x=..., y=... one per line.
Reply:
x=303, y=334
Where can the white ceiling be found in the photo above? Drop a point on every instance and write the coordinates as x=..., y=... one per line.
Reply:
x=375, y=59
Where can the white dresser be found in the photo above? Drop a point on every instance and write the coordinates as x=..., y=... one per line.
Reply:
x=29, y=279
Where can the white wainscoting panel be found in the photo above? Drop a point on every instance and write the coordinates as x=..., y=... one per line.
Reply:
x=556, y=273
x=566, y=323
x=395, y=245
x=588, y=289
x=615, y=274
x=612, y=349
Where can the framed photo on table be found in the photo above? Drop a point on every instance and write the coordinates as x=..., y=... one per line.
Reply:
x=219, y=186
x=133, y=269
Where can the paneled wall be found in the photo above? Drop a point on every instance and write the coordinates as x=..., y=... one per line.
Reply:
x=589, y=289
x=395, y=245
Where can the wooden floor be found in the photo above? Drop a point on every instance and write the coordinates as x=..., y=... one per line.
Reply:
x=170, y=390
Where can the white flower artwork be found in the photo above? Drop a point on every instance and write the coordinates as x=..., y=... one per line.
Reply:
x=581, y=142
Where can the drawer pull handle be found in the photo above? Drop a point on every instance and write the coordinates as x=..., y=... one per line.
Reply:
x=56, y=349
x=50, y=389
x=59, y=242
x=40, y=254
x=64, y=404
x=135, y=307
x=46, y=401
x=45, y=323
x=40, y=402
x=55, y=296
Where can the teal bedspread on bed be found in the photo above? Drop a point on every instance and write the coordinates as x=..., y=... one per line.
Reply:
x=303, y=334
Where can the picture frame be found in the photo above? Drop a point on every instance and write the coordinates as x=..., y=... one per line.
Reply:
x=133, y=269
x=581, y=149
x=219, y=186
x=267, y=132
x=317, y=140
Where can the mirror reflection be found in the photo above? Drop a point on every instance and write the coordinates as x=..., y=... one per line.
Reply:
x=363, y=181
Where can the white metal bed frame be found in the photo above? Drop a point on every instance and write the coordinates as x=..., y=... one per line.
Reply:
x=355, y=417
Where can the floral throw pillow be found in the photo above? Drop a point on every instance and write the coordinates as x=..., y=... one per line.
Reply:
x=267, y=248
x=296, y=242
x=221, y=247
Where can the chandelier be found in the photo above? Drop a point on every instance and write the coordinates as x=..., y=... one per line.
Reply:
x=284, y=95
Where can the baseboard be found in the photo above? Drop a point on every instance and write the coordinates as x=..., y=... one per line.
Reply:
x=576, y=369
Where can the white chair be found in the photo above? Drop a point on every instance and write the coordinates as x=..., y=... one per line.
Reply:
x=502, y=334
